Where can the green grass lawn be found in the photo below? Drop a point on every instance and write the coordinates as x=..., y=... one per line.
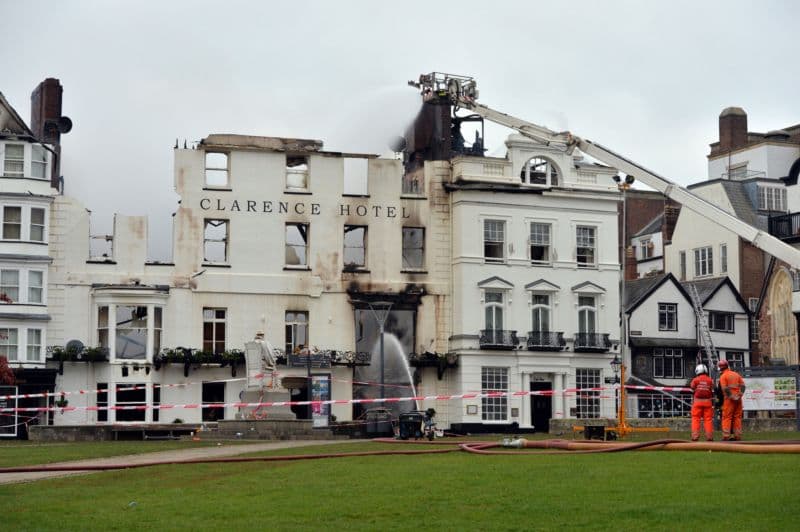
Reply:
x=458, y=491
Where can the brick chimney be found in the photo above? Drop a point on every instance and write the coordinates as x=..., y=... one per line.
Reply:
x=732, y=129
x=671, y=212
x=630, y=264
x=45, y=113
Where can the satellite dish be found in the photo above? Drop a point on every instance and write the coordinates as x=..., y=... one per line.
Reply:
x=397, y=144
x=64, y=124
x=74, y=346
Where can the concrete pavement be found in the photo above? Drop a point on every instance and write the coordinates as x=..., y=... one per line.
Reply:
x=175, y=455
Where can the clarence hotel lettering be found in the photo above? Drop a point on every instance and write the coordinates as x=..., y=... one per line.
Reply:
x=282, y=207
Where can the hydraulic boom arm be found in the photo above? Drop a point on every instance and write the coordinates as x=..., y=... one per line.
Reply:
x=463, y=92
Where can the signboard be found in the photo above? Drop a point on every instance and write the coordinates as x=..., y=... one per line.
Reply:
x=770, y=393
x=8, y=420
x=320, y=391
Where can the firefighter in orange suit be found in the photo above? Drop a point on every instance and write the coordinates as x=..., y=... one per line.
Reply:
x=702, y=408
x=732, y=385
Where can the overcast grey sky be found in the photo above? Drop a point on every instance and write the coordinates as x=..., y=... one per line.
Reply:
x=647, y=79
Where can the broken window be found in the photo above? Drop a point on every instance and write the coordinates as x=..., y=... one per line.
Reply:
x=296, y=244
x=296, y=331
x=214, y=330
x=494, y=237
x=131, y=337
x=215, y=248
x=355, y=177
x=539, y=171
x=296, y=172
x=413, y=248
x=12, y=223
x=216, y=169
x=101, y=247
x=355, y=246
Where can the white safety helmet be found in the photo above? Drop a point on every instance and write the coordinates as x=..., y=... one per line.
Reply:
x=700, y=369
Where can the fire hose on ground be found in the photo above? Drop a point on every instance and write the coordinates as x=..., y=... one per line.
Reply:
x=534, y=447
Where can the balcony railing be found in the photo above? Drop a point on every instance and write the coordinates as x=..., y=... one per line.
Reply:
x=546, y=341
x=498, y=339
x=785, y=226
x=598, y=342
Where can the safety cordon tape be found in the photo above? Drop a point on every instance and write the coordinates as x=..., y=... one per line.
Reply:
x=385, y=400
x=177, y=385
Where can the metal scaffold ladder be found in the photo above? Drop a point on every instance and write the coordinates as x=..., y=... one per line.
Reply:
x=702, y=324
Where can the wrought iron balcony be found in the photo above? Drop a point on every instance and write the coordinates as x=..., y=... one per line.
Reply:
x=546, y=341
x=597, y=342
x=785, y=226
x=498, y=339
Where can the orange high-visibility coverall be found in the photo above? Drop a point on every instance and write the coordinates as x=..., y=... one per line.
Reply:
x=733, y=387
x=702, y=409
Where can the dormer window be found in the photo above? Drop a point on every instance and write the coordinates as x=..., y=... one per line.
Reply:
x=771, y=199
x=539, y=171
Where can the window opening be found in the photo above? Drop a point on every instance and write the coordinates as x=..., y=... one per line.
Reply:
x=297, y=244
x=38, y=161
x=494, y=379
x=34, y=347
x=540, y=243
x=587, y=401
x=14, y=165
x=720, y=321
x=133, y=394
x=8, y=344
x=413, y=248
x=9, y=285
x=539, y=171
x=296, y=331
x=296, y=172
x=12, y=223
x=667, y=317
x=35, y=286
x=214, y=320
x=494, y=235
x=703, y=261
x=216, y=169
x=215, y=248
x=541, y=313
x=355, y=246
x=585, y=252
x=131, y=332
x=668, y=363
x=37, y=225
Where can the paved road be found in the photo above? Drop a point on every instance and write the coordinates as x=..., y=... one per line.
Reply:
x=176, y=455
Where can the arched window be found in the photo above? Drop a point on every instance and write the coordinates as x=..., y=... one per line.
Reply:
x=587, y=314
x=540, y=305
x=494, y=310
x=539, y=171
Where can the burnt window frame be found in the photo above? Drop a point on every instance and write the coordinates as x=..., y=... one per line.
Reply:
x=405, y=248
x=350, y=266
x=301, y=229
x=216, y=222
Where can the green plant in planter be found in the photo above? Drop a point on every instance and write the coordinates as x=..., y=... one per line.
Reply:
x=62, y=401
